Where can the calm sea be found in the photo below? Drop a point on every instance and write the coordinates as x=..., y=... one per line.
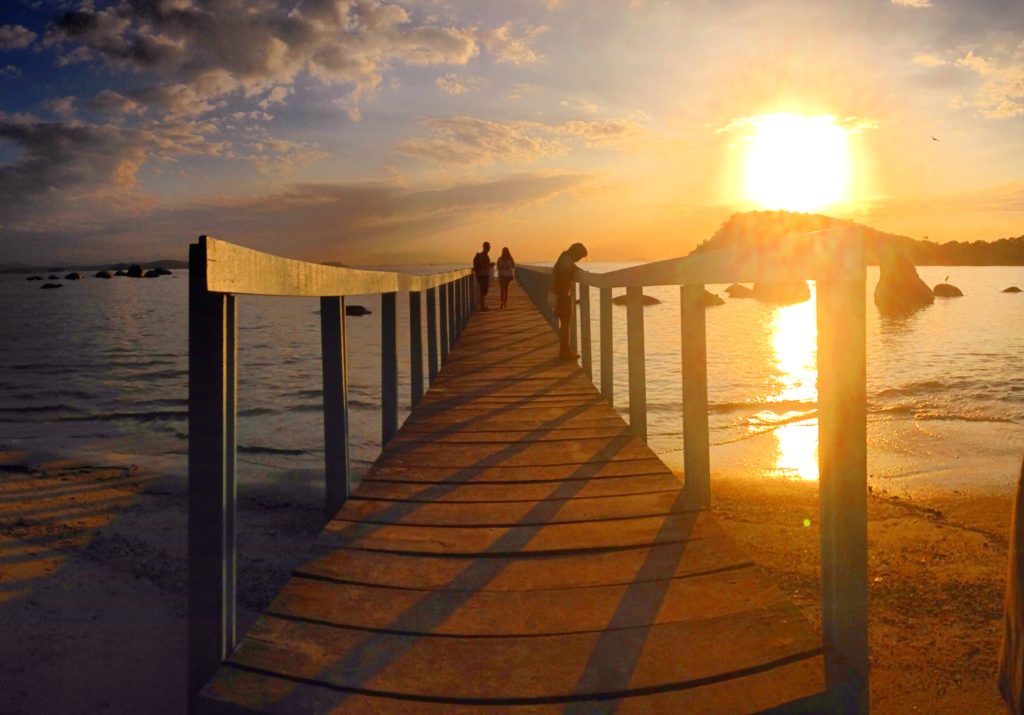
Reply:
x=97, y=371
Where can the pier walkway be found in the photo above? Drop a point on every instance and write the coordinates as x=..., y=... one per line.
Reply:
x=517, y=548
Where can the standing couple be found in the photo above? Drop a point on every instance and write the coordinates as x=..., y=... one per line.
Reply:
x=482, y=266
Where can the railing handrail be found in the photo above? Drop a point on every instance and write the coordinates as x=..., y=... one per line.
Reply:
x=835, y=253
x=235, y=269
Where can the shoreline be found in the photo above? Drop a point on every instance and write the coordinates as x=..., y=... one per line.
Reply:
x=92, y=581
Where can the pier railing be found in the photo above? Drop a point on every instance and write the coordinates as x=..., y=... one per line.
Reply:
x=219, y=271
x=834, y=259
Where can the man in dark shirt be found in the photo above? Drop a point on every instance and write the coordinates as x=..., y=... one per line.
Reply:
x=482, y=271
x=562, y=288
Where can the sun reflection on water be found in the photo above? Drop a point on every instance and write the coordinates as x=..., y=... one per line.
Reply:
x=795, y=344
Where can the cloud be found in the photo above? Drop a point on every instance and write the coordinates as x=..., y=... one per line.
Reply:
x=923, y=59
x=9, y=71
x=473, y=141
x=64, y=106
x=15, y=37
x=211, y=50
x=460, y=84
x=913, y=3
x=578, y=104
x=1001, y=93
x=505, y=48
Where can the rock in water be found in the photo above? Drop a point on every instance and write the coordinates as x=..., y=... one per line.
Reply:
x=900, y=290
x=73, y=277
x=945, y=290
x=135, y=271
x=782, y=292
x=121, y=273
x=648, y=300
x=103, y=274
x=53, y=277
x=39, y=278
x=356, y=310
x=162, y=271
x=152, y=274
x=711, y=300
x=1011, y=289
x=739, y=291
x=49, y=286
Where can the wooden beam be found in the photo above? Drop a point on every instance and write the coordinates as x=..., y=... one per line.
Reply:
x=212, y=414
x=337, y=474
x=636, y=360
x=607, y=351
x=587, y=351
x=432, y=334
x=388, y=367
x=442, y=317
x=842, y=464
x=696, y=440
x=415, y=348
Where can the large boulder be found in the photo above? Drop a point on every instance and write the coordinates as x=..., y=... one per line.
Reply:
x=160, y=270
x=1011, y=289
x=900, y=290
x=945, y=290
x=73, y=276
x=103, y=274
x=739, y=291
x=782, y=292
x=647, y=300
x=356, y=310
x=135, y=271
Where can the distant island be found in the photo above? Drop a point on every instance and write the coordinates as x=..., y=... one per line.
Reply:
x=759, y=226
x=168, y=263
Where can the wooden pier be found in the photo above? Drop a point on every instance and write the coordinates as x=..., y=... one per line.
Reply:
x=517, y=547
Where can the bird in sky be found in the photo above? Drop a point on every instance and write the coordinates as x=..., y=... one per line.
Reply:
x=934, y=139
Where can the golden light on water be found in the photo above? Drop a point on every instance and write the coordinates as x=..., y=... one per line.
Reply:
x=797, y=162
x=795, y=344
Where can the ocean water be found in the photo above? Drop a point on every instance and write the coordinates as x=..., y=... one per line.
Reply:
x=98, y=371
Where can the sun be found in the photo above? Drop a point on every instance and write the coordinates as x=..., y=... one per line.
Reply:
x=797, y=162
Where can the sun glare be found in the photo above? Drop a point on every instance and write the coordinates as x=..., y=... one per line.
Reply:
x=796, y=162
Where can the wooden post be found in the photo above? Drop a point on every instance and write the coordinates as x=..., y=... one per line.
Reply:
x=415, y=347
x=212, y=412
x=443, y=320
x=607, y=351
x=453, y=333
x=337, y=475
x=587, y=348
x=460, y=313
x=574, y=342
x=388, y=368
x=637, y=373
x=842, y=487
x=696, y=441
x=432, y=334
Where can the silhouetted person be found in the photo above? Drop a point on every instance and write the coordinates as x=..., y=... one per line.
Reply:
x=506, y=272
x=482, y=271
x=562, y=289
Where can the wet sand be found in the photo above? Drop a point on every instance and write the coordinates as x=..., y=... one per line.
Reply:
x=92, y=582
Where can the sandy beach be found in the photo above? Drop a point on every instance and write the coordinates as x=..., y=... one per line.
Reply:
x=92, y=582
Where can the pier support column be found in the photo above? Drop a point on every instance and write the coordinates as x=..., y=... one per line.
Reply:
x=587, y=348
x=337, y=475
x=607, y=351
x=636, y=361
x=696, y=441
x=212, y=416
x=442, y=292
x=388, y=368
x=415, y=347
x=432, y=334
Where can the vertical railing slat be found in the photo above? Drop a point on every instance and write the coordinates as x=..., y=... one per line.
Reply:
x=388, y=367
x=587, y=352
x=415, y=348
x=212, y=392
x=607, y=351
x=432, y=334
x=442, y=316
x=337, y=475
x=842, y=487
x=574, y=342
x=636, y=358
x=696, y=446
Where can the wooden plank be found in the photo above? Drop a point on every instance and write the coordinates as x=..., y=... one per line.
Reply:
x=236, y=269
x=563, y=666
x=524, y=453
x=441, y=436
x=537, y=538
x=473, y=492
x=212, y=485
x=524, y=571
x=550, y=508
x=337, y=472
x=696, y=439
x=482, y=473
x=564, y=611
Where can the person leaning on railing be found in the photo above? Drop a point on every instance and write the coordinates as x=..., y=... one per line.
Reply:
x=562, y=292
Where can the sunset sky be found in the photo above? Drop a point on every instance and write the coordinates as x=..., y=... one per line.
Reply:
x=380, y=132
